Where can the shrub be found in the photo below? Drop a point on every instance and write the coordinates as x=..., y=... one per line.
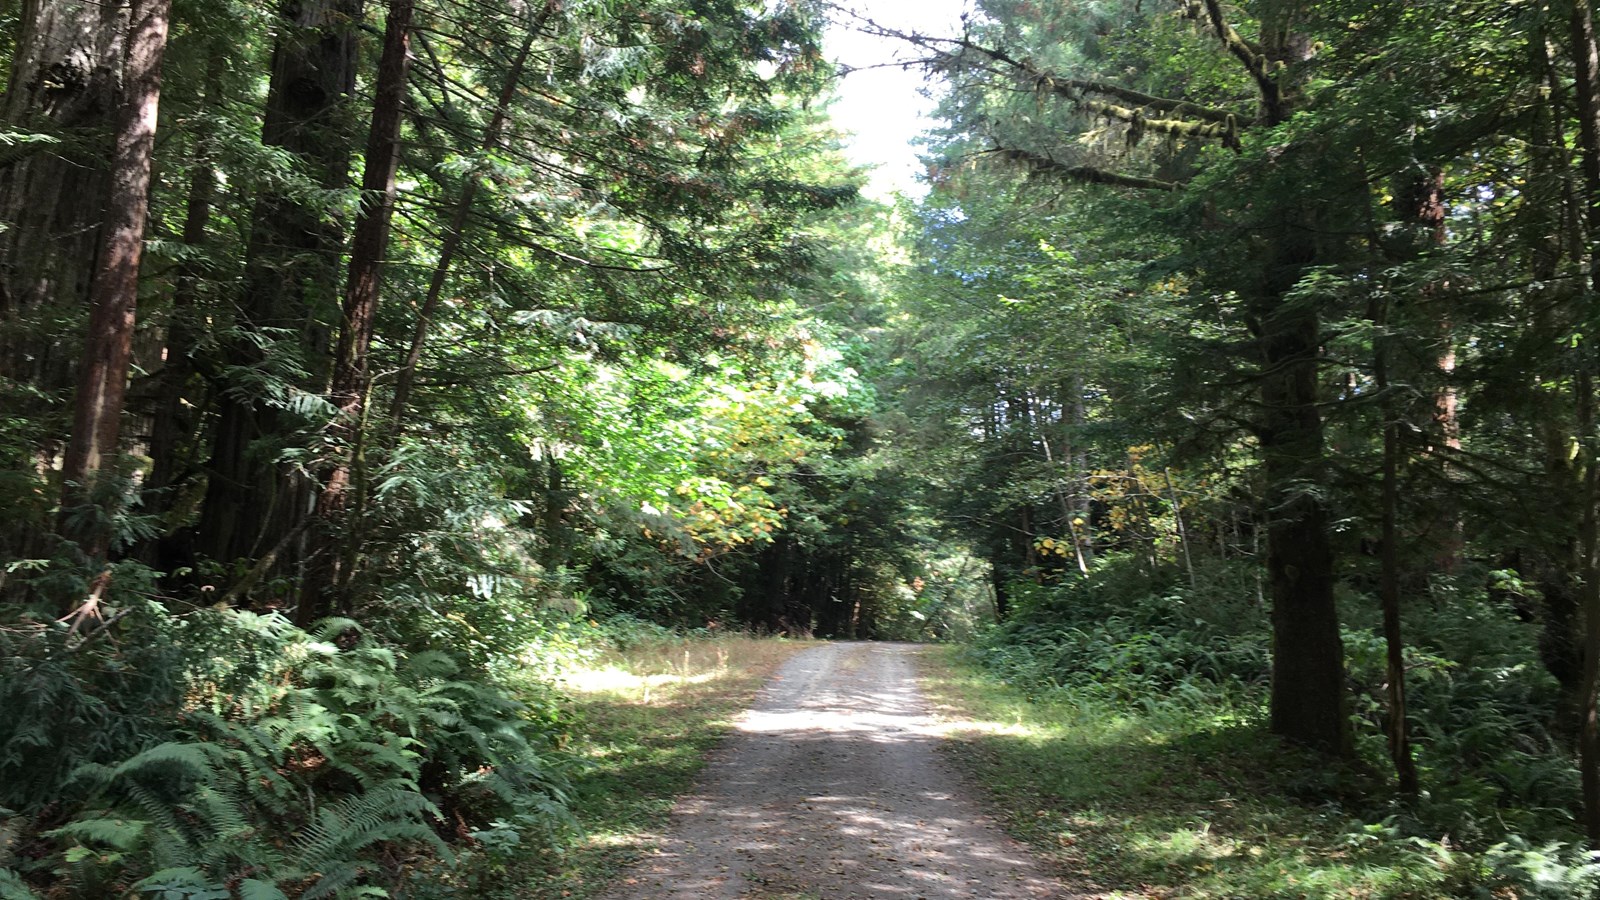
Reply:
x=254, y=756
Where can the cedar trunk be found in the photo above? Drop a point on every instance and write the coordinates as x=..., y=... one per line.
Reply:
x=65, y=83
x=1308, y=692
x=1586, y=95
x=363, y=288
x=252, y=501
x=171, y=429
x=103, y=372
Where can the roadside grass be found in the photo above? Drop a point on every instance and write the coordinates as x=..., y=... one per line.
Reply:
x=1180, y=800
x=644, y=718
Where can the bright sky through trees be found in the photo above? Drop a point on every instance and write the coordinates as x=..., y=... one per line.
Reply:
x=883, y=105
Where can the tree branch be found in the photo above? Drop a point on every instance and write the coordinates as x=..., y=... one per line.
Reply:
x=1043, y=165
x=1070, y=89
x=1254, y=62
x=1227, y=132
x=1073, y=89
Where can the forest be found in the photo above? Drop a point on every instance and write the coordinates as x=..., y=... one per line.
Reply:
x=1226, y=405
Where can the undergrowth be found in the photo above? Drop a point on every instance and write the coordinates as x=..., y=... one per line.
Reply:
x=221, y=753
x=216, y=753
x=1124, y=726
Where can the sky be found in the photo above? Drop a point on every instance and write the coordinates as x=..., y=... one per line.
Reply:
x=884, y=108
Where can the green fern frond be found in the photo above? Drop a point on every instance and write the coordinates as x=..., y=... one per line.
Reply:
x=354, y=823
x=13, y=888
x=432, y=664
x=118, y=834
x=193, y=760
x=257, y=889
x=182, y=883
x=331, y=628
x=337, y=877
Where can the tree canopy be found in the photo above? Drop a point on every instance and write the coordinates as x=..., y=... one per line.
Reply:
x=349, y=351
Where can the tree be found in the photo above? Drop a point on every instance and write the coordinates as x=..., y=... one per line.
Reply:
x=352, y=377
x=114, y=293
x=276, y=356
x=65, y=80
x=1273, y=242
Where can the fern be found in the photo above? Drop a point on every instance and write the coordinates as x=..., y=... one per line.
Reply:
x=13, y=888
x=182, y=883
x=119, y=834
x=286, y=764
x=354, y=823
x=257, y=889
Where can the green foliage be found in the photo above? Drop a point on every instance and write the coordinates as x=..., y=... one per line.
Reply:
x=1130, y=634
x=1187, y=796
x=69, y=706
x=1146, y=645
x=301, y=762
x=12, y=887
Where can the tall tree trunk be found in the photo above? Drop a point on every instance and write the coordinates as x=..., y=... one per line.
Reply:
x=173, y=444
x=251, y=500
x=553, y=515
x=1398, y=726
x=363, y=289
x=64, y=83
x=1552, y=561
x=1586, y=91
x=1080, y=462
x=103, y=372
x=1308, y=693
x=1059, y=482
x=171, y=427
x=1427, y=211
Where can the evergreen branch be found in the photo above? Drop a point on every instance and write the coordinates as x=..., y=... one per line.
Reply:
x=1227, y=132
x=1070, y=89
x=1039, y=164
x=1248, y=55
x=1073, y=89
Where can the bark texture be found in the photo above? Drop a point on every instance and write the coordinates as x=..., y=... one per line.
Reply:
x=288, y=302
x=64, y=84
x=363, y=289
x=103, y=371
x=1586, y=91
x=1308, y=692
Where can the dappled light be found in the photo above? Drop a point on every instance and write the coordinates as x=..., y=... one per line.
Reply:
x=832, y=786
x=528, y=450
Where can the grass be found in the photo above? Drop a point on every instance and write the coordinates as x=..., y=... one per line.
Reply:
x=1182, y=801
x=645, y=718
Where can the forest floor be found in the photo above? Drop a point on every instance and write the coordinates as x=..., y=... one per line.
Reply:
x=831, y=788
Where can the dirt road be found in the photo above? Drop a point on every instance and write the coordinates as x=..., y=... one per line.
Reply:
x=831, y=789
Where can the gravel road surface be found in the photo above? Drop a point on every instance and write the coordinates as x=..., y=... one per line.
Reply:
x=831, y=789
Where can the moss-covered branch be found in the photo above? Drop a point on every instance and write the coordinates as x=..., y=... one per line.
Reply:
x=1248, y=55
x=1071, y=89
x=1226, y=131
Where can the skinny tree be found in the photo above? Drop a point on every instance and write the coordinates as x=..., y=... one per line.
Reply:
x=352, y=379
